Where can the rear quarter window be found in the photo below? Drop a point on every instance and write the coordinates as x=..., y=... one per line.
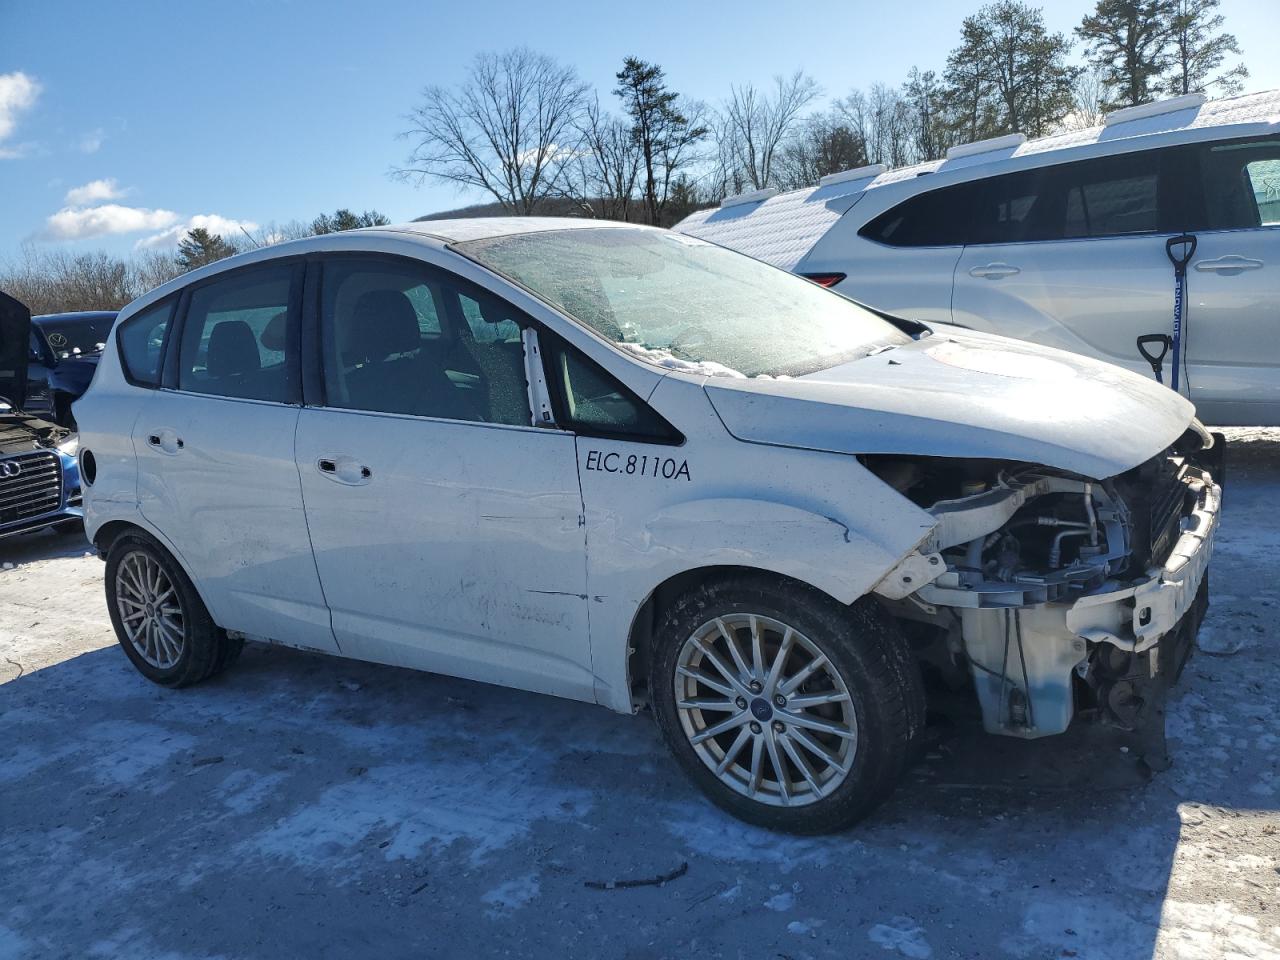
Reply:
x=141, y=339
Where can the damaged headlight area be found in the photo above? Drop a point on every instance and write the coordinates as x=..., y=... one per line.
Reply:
x=1055, y=594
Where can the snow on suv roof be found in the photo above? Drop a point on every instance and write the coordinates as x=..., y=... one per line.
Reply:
x=782, y=228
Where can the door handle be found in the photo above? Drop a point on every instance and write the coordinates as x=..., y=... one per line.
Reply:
x=344, y=470
x=1228, y=266
x=166, y=441
x=994, y=271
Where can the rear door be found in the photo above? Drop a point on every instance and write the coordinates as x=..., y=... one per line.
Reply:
x=447, y=529
x=1232, y=327
x=216, y=471
x=1073, y=256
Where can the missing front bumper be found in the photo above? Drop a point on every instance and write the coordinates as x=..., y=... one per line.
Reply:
x=1023, y=659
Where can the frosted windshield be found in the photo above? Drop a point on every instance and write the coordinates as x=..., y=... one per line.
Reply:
x=686, y=304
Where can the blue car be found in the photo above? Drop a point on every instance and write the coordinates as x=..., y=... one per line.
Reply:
x=39, y=475
x=65, y=348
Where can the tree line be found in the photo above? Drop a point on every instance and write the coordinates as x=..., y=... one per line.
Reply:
x=56, y=281
x=525, y=130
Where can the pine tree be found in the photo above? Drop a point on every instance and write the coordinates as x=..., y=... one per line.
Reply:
x=200, y=247
x=659, y=127
x=1129, y=40
x=344, y=219
x=1198, y=50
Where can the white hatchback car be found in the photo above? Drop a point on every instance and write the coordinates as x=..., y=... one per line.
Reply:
x=620, y=465
x=1064, y=241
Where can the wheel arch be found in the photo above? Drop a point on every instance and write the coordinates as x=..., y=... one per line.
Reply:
x=644, y=621
x=105, y=537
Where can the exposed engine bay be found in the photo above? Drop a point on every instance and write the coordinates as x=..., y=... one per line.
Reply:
x=1052, y=593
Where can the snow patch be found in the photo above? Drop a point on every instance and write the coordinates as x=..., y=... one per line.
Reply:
x=904, y=936
x=780, y=902
x=665, y=358
x=512, y=895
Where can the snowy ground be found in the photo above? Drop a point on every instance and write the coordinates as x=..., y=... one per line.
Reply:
x=303, y=806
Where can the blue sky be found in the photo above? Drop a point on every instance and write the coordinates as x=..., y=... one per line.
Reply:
x=155, y=114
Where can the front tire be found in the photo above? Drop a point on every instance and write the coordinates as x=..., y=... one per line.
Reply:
x=160, y=620
x=787, y=709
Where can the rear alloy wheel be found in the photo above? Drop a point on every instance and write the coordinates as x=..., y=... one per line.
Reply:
x=160, y=620
x=150, y=610
x=787, y=708
x=765, y=710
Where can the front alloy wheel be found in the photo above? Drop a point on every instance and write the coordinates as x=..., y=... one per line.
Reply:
x=765, y=709
x=789, y=709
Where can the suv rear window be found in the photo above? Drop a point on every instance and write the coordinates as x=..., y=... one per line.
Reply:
x=938, y=218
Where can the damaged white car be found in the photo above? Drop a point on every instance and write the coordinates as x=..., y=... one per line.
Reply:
x=623, y=466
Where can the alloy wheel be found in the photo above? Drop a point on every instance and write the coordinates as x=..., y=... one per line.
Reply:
x=765, y=709
x=150, y=610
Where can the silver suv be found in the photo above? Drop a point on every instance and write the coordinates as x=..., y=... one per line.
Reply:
x=1063, y=241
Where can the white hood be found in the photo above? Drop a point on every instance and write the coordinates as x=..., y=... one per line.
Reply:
x=964, y=394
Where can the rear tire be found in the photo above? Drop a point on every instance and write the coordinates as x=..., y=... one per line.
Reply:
x=160, y=620
x=840, y=713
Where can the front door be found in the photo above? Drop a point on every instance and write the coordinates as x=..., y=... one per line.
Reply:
x=216, y=471
x=447, y=530
x=1232, y=328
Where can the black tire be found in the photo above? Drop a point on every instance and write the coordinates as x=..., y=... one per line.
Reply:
x=866, y=649
x=205, y=648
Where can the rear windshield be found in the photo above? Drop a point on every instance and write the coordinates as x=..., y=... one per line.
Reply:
x=76, y=337
x=686, y=304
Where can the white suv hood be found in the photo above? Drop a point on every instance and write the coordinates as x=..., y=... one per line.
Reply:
x=964, y=394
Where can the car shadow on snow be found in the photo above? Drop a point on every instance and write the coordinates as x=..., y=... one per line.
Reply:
x=310, y=806
x=48, y=544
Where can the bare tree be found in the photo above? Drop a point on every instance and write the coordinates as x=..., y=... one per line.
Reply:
x=927, y=97
x=606, y=170
x=882, y=118
x=1088, y=96
x=824, y=144
x=55, y=281
x=509, y=129
x=755, y=124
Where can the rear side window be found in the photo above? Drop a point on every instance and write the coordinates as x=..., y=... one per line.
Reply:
x=939, y=218
x=1112, y=196
x=236, y=336
x=141, y=339
x=1019, y=208
x=1241, y=185
x=591, y=401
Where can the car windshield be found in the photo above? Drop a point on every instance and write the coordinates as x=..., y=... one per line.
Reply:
x=687, y=304
x=76, y=336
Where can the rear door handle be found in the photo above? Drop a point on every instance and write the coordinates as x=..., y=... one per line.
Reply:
x=1228, y=266
x=166, y=441
x=344, y=469
x=994, y=271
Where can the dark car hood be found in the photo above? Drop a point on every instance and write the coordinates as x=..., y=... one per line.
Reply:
x=15, y=339
x=961, y=394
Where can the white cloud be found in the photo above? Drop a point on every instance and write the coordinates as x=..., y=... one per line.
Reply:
x=94, y=191
x=225, y=227
x=18, y=93
x=76, y=223
x=92, y=141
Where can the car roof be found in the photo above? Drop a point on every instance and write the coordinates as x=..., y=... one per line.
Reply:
x=429, y=233
x=781, y=228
